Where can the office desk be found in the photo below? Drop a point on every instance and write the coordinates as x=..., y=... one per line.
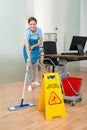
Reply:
x=68, y=57
x=63, y=59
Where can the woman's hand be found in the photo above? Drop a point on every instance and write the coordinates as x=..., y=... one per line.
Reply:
x=38, y=44
x=31, y=47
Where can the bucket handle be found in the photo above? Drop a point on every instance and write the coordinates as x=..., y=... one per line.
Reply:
x=77, y=93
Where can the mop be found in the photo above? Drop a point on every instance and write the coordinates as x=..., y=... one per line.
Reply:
x=22, y=105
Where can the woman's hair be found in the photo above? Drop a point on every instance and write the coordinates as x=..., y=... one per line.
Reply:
x=32, y=19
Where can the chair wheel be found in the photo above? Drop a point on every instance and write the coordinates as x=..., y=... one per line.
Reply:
x=73, y=103
x=80, y=99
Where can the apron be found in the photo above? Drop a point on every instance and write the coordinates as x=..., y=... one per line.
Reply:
x=34, y=53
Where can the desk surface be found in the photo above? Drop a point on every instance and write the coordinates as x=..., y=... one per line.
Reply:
x=67, y=57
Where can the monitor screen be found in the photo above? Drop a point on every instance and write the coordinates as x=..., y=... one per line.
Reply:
x=78, y=43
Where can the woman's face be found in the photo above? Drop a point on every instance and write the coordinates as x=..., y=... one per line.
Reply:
x=32, y=25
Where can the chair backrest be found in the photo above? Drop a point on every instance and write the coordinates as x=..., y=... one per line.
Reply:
x=49, y=47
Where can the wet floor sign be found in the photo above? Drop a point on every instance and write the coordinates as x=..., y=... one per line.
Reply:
x=51, y=99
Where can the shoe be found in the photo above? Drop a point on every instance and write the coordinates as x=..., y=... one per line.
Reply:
x=29, y=88
x=35, y=83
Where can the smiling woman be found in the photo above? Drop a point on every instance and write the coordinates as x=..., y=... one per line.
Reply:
x=32, y=40
x=11, y=36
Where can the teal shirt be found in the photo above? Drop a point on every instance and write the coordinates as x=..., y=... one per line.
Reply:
x=29, y=34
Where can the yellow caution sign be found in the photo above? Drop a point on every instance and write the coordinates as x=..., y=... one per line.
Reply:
x=51, y=98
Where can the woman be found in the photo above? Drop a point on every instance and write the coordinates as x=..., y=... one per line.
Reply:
x=32, y=40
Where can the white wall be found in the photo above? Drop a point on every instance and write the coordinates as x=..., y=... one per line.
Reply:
x=12, y=16
x=29, y=11
x=29, y=8
x=51, y=14
x=83, y=25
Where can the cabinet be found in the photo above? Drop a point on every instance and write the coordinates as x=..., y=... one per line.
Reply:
x=50, y=37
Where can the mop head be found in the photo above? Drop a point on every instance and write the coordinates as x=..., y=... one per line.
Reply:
x=13, y=108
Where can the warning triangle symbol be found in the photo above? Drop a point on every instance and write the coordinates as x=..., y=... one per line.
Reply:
x=54, y=99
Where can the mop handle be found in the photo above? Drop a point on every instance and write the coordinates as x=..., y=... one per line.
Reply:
x=25, y=81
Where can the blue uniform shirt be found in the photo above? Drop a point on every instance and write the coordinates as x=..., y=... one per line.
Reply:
x=30, y=35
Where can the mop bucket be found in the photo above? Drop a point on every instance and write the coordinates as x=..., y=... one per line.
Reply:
x=71, y=86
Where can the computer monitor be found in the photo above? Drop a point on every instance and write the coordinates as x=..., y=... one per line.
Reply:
x=78, y=43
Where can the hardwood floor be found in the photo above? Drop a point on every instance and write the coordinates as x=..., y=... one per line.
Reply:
x=32, y=119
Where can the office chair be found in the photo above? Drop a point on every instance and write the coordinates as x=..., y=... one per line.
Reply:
x=49, y=47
